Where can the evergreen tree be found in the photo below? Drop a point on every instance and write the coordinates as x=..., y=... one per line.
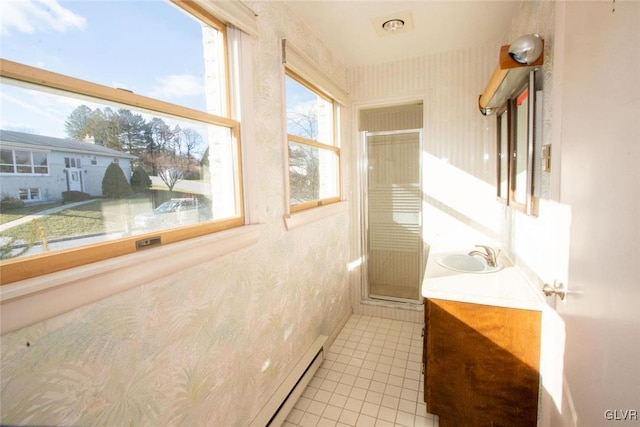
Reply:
x=140, y=180
x=115, y=184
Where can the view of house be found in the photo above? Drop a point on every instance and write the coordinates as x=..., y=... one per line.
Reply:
x=38, y=168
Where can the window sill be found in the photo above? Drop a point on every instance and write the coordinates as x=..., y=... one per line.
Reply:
x=309, y=216
x=34, y=300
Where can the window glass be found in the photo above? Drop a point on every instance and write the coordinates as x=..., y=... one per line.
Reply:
x=175, y=155
x=151, y=48
x=313, y=157
x=309, y=115
x=313, y=173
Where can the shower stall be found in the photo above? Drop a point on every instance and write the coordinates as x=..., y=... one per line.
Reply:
x=394, y=255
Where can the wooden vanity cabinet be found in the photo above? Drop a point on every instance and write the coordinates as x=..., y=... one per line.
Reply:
x=482, y=364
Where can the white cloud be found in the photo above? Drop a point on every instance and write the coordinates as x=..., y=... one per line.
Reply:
x=176, y=86
x=29, y=16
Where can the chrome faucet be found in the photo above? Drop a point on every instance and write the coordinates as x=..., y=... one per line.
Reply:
x=491, y=255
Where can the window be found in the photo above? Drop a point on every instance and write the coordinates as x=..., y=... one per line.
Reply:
x=72, y=162
x=23, y=162
x=150, y=108
x=314, y=157
x=29, y=194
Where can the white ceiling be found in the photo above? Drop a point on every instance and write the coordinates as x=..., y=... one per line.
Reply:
x=347, y=28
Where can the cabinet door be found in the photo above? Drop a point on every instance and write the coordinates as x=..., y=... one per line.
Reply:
x=482, y=364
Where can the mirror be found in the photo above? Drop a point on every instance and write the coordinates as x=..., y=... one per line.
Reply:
x=515, y=148
x=503, y=156
x=520, y=146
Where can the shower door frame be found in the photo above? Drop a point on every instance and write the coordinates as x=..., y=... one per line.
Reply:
x=364, y=210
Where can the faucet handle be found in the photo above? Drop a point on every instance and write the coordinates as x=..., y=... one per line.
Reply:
x=491, y=253
x=488, y=249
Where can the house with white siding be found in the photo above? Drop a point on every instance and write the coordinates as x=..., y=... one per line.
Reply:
x=38, y=168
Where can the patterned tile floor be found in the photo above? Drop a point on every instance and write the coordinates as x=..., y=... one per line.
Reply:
x=371, y=377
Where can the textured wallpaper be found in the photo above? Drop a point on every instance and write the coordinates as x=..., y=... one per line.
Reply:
x=209, y=345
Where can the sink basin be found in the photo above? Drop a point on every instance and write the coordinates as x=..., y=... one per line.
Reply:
x=466, y=264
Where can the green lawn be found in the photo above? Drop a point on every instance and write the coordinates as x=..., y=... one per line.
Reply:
x=97, y=216
x=14, y=214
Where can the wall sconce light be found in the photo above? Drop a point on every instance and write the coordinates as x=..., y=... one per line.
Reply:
x=514, y=63
x=526, y=49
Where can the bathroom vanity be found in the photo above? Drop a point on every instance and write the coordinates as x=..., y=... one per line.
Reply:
x=481, y=347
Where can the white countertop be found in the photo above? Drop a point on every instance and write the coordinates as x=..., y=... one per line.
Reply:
x=504, y=288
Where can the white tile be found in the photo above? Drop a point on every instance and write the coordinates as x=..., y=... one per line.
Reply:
x=333, y=376
x=409, y=394
x=405, y=419
x=398, y=371
x=373, y=397
x=358, y=393
x=396, y=381
x=338, y=367
x=322, y=396
x=366, y=373
x=325, y=422
x=338, y=400
x=372, y=377
x=352, y=370
x=332, y=412
x=349, y=417
x=353, y=404
x=348, y=379
x=343, y=389
x=362, y=383
x=309, y=420
x=365, y=421
x=390, y=401
x=316, y=408
x=393, y=390
x=383, y=368
x=370, y=409
x=303, y=403
x=369, y=364
x=377, y=386
x=295, y=415
x=387, y=414
x=328, y=385
x=407, y=406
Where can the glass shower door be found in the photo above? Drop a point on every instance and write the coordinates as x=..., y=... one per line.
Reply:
x=394, y=229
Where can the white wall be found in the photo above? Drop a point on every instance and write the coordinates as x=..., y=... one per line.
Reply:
x=600, y=181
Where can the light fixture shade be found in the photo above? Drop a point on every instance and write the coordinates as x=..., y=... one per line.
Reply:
x=393, y=25
x=526, y=49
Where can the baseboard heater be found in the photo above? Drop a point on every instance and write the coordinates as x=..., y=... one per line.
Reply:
x=275, y=412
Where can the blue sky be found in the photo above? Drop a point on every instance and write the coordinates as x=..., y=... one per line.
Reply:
x=147, y=46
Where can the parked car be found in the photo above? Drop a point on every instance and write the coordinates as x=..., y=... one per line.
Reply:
x=174, y=213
